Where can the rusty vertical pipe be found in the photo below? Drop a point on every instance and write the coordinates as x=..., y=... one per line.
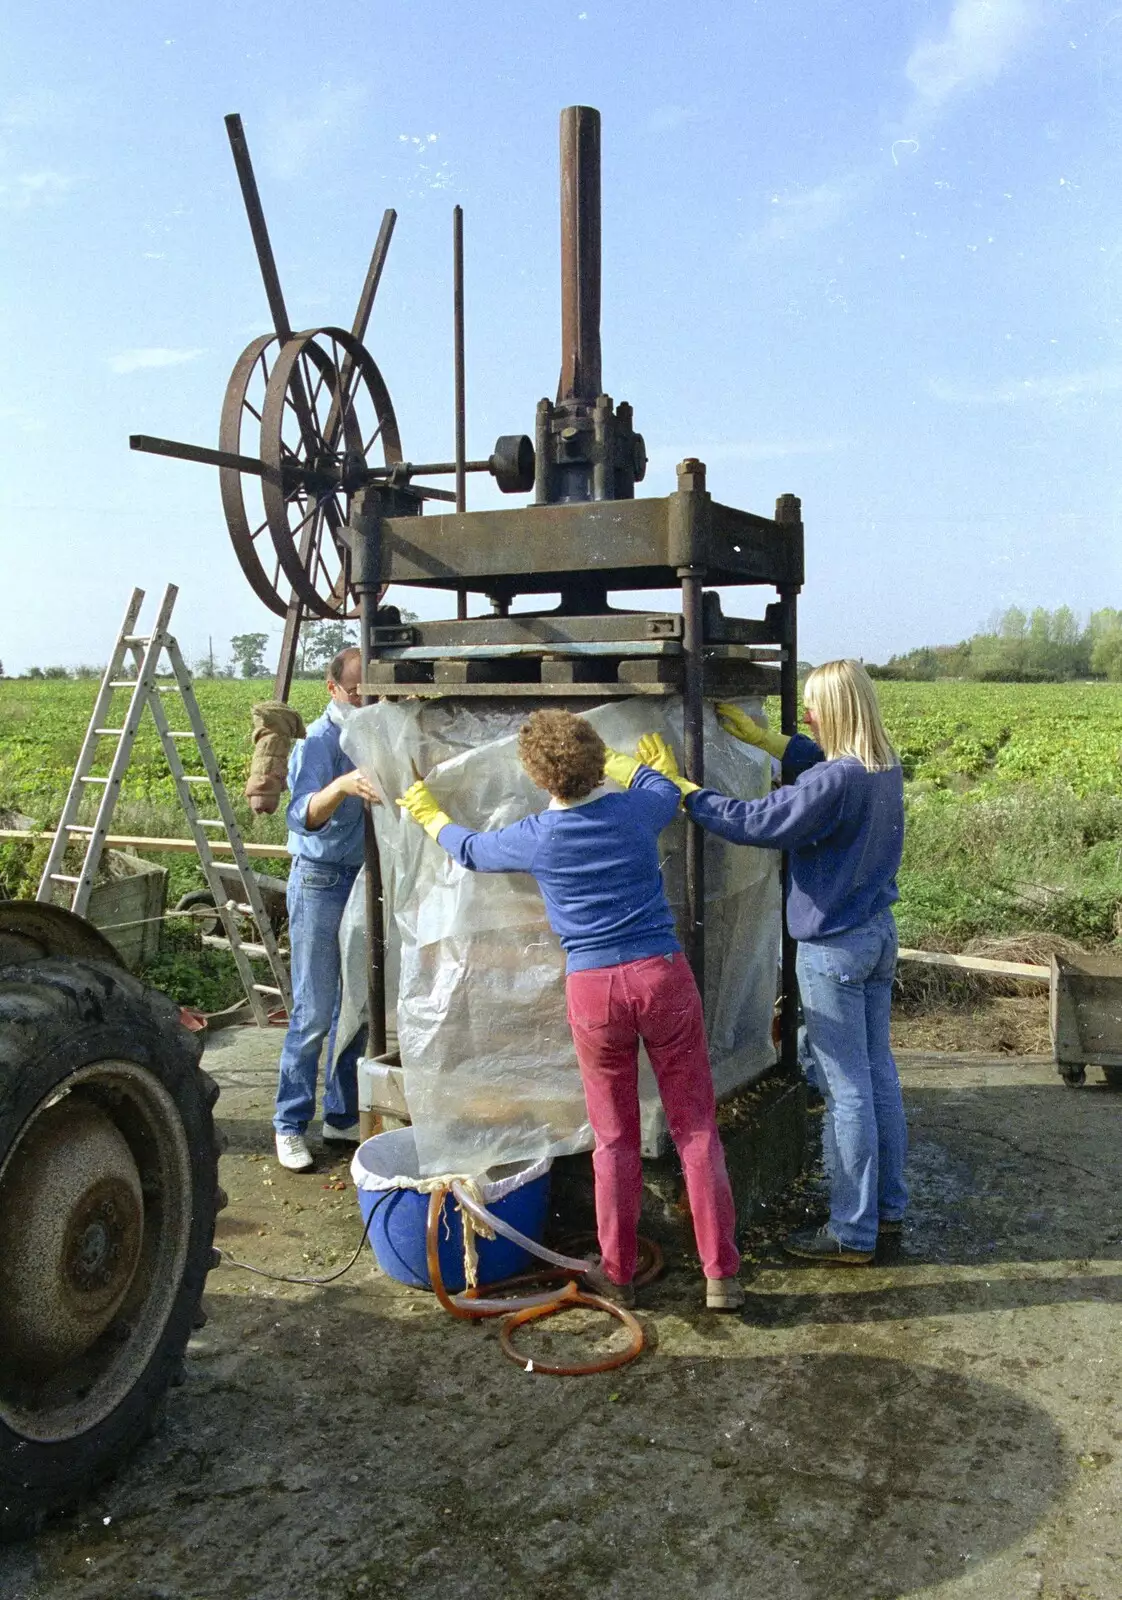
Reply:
x=693, y=707
x=365, y=538
x=788, y=510
x=690, y=497
x=458, y=362
x=580, y=254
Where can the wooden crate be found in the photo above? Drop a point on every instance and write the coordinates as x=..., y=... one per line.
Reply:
x=129, y=909
x=1086, y=1010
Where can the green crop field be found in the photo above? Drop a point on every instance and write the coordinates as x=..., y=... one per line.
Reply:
x=1014, y=796
x=1014, y=809
x=959, y=735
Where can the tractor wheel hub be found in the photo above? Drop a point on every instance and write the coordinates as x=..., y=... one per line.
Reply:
x=71, y=1229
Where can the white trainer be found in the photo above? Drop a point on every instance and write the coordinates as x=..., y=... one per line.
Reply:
x=349, y=1135
x=293, y=1152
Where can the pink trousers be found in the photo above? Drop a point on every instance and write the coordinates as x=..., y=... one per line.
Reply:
x=610, y=1010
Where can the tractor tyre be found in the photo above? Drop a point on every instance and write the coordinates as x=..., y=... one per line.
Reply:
x=108, y=1196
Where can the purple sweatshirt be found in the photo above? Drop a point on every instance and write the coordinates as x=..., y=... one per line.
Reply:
x=842, y=825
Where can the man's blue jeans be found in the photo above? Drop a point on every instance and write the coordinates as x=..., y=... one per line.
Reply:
x=317, y=895
x=846, y=986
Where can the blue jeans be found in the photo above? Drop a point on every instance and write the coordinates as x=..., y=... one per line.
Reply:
x=846, y=986
x=317, y=895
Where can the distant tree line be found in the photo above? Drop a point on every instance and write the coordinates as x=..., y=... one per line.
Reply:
x=1021, y=647
x=320, y=643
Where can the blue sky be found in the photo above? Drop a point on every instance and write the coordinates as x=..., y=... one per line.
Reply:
x=869, y=255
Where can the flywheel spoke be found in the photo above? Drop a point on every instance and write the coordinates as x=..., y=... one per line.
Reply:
x=311, y=370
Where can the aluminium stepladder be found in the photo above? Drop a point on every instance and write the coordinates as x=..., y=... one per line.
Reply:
x=147, y=688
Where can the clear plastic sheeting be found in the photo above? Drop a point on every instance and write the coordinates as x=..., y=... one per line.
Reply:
x=489, y=1070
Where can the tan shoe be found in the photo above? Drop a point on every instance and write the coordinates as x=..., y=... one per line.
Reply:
x=724, y=1294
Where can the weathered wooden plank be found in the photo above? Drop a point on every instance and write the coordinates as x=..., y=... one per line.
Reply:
x=591, y=692
x=1010, y=969
x=132, y=841
x=545, y=632
x=574, y=669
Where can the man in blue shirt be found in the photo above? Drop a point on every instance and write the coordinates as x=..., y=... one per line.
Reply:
x=325, y=840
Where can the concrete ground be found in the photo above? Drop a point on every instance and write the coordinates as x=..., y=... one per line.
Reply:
x=945, y=1425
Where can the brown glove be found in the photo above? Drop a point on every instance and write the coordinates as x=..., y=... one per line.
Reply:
x=275, y=727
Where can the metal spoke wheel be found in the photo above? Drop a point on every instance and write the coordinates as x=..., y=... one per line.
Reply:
x=239, y=433
x=327, y=410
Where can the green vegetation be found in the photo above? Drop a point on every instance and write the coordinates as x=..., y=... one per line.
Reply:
x=42, y=723
x=1014, y=795
x=1014, y=799
x=1021, y=647
x=195, y=975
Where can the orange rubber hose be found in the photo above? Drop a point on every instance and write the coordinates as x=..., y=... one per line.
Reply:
x=527, y=1308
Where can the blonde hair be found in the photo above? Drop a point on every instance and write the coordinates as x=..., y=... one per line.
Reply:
x=562, y=753
x=841, y=696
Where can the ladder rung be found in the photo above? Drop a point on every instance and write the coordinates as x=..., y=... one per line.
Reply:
x=264, y=988
x=219, y=941
x=246, y=911
x=109, y=730
x=173, y=735
x=136, y=638
x=190, y=777
x=210, y=822
x=64, y=877
x=77, y=827
x=124, y=683
x=95, y=780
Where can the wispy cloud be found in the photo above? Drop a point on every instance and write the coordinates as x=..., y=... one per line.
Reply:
x=804, y=211
x=293, y=137
x=1019, y=391
x=979, y=41
x=153, y=356
x=26, y=183
x=22, y=419
x=20, y=191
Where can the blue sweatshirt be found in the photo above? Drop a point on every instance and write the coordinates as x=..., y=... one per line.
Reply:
x=597, y=866
x=313, y=764
x=843, y=827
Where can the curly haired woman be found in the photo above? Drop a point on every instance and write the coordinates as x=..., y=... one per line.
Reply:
x=594, y=854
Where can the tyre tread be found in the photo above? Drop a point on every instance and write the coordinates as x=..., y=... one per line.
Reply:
x=43, y=1005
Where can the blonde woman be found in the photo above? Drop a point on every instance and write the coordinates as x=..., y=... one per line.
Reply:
x=842, y=822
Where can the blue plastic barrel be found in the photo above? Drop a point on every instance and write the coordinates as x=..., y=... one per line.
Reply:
x=518, y=1193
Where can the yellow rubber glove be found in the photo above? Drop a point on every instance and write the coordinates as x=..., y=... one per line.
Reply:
x=620, y=768
x=654, y=752
x=423, y=808
x=742, y=727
